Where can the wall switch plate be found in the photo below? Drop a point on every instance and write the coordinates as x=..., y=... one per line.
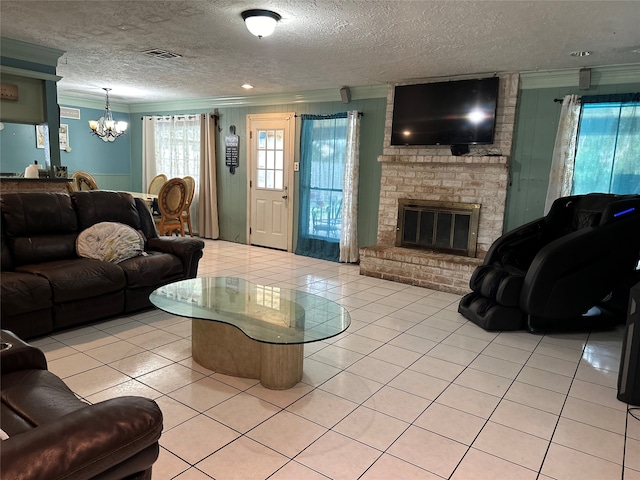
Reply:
x=296, y=166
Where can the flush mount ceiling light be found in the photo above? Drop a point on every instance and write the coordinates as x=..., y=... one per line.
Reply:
x=260, y=23
x=106, y=128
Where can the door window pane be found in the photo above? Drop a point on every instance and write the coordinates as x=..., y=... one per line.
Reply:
x=270, y=168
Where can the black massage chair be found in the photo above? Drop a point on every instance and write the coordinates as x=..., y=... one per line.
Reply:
x=559, y=271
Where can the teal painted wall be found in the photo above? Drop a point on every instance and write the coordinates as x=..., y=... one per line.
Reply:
x=232, y=189
x=49, y=99
x=18, y=148
x=118, y=165
x=534, y=136
x=108, y=162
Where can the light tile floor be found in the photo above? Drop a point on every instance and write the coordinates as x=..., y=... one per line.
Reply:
x=410, y=391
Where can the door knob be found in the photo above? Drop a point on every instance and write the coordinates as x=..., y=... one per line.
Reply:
x=285, y=196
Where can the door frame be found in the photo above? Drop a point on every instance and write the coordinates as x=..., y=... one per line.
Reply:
x=289, y=159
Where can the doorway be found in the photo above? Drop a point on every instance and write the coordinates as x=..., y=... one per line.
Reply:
x=270, y=192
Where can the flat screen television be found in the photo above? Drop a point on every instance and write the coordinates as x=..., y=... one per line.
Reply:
x=460, y=112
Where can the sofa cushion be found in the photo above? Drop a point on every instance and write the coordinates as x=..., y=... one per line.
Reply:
x=5, y=256
x=23, y=292
x=39, y=227
x=153, y=269
x=80, y=278
x=110, y=242
x=95, y=206
x=43, y=248
x=38, y=214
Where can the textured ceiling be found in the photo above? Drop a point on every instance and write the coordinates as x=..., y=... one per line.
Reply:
x=318, y=44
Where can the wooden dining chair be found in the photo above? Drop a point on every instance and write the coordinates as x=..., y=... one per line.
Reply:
x=83, y=181
x=156, y=184
x=171, y=201
x=186, y=214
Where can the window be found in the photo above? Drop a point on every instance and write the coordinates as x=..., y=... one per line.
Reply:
x=177, y=146
x=608, y=146
x=323, y=150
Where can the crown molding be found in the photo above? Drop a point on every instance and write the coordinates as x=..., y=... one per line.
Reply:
x=327, y=95
x=21, y=72
x=604, y=75
x=29, y=52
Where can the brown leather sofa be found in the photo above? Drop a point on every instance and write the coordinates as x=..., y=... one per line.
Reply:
x=46, y=286
x=54, y=435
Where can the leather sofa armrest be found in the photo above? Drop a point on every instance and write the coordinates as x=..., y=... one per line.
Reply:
x=84, y=443
x=19, y=355
x=188, y=250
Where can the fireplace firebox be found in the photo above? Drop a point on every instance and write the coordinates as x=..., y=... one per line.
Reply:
x=448, y=227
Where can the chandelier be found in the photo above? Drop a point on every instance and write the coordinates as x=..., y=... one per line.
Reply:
x=106, y=128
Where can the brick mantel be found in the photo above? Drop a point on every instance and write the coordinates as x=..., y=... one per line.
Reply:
x=446, y=159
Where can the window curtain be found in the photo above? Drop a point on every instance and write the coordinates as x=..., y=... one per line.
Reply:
x=607, y=151
x=208, y=206
x=322, y=159
x=349, y=227
x=148, y=150
x=172, y=145
x=564, y=151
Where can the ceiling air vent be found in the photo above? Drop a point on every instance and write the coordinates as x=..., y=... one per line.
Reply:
x=160, y=53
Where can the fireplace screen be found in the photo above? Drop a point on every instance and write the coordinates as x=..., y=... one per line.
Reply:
x=441, y=226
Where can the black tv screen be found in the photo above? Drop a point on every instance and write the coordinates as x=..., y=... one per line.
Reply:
x=461, y=112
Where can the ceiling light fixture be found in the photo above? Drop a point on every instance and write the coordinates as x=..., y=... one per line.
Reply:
x=106, y=128
x=260, y=23
x=584, y=53
x=247, y=86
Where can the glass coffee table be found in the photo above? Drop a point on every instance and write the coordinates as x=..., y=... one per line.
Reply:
x=250, y=330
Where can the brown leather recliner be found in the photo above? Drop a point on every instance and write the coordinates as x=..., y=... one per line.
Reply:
x=54, y=435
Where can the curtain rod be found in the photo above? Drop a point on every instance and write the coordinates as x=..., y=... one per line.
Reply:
x=213, y=115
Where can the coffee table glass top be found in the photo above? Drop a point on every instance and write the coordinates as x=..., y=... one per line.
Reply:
x=265, y=313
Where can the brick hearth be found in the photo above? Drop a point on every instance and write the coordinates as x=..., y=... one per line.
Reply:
x=432, y=173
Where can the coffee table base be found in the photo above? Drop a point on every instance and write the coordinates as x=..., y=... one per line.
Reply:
x=223, y=348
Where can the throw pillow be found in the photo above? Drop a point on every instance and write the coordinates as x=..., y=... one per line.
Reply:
x=110, y=242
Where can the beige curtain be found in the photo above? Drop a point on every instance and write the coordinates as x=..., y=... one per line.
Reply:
x=208, y=211
x=564, y=151
x=148, y=151
x=349, y=227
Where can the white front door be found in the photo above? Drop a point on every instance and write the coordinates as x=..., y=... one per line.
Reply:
x=270, y=150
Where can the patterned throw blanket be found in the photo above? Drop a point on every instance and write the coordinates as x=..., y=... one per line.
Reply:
x=110, y=242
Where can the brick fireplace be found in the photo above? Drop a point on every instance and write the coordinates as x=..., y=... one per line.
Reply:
x=434, y=174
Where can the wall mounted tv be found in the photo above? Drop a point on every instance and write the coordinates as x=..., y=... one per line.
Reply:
x=460, y=112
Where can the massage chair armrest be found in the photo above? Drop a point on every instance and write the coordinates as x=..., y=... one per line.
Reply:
x=521, y=239
x=621, y=210
x=84, y=443
x=18, y=355
x=571, y=274
x=188, y=250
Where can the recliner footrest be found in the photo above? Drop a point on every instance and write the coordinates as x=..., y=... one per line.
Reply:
x=489, y=315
